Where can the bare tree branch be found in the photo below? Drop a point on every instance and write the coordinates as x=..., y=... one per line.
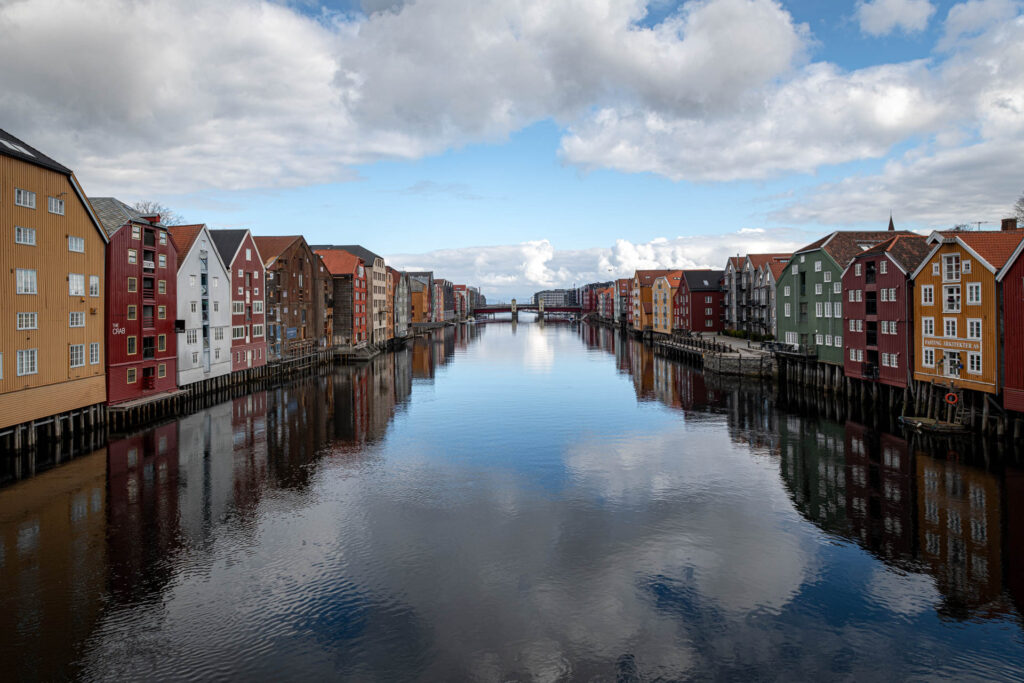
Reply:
x=168, y=216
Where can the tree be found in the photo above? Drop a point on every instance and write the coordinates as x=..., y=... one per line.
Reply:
x=168, y=216
x=1018, y=208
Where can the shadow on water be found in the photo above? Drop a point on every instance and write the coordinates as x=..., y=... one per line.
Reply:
x=118, y=532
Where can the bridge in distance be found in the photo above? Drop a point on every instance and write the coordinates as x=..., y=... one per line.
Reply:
x=507, y=308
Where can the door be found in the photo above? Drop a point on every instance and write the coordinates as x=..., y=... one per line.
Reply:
x=248, y=358
x=953, y=364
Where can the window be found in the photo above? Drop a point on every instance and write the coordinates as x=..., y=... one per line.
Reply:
x=136, y=232
x=785, y=291
x=191, y=280
x=216, y=306
x=837, y=287
x=24, y=198
x=27, y=362
x=852, y=294
x=94, y=353
x=94, y=285
x=974, y=363
x=885, y=327
x=193, y=306
x=860, y=355
x=707, y=299
x=856, y=269
x=860, y=294
x=26, y=281
x=892, y=294
x=132, y=345
x=837, y=341
x=161, y=312
x=973, y=292
x=238, y=332
x=77, y=355
x=76, y=244
x=796, y=268
x=133, y=256
x=257, y=306
x=24, y=235
x=951, y=299
x=951, y=268
x=248, y=254
x=828, y=340
x=853, y=354
x=257, y=330
x=817, y=266
x=28, y=321
x=828, y=276
x=55, y=205
x=974, y=328
x=966, y=266
x=76, y=319
x=883, y=267
x=884, y=295
x=191, y=336
x=928, y=358
x=787, y=309
x=76, y=284
x=195, y=358
x=935, y=268
x=860, y=325
x=817, y=309
x=161, y=286
x=161, y=342
x=819, y=339
x=216, y=354
x=240, y=273
x=928, y=327
x=130, y=376
x=853, y=325
x=927, y=295
x=133, y=284
x=163, y=239
x=161, y=260
x=949, y=327
x=237, y=307
x=817, y=288
x=132, y=312
x=161, y=370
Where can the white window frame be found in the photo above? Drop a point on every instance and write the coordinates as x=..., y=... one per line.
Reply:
x=785, y=290
x=76, y=244
x=27, y=320
x=817, y=266
x=947, y=325
x=28, y=362
x=257, y=306
x=928, y=327
x=94, y=285
x=928, y=357
x=951, y=268
x=76, y=317
x=883, y=267
x=257, y=330
x=76, y=284
x=973, y=293
x=24, y=198
x=928, y=295
x=26, y=236
x=94, y=353
x=55, y=205
x=27, y=281
x=972, y=325
x=786, y=310
x=76, y=356
x=974, y=358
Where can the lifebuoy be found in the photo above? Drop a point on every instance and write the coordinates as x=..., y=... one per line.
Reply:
x=952, y=398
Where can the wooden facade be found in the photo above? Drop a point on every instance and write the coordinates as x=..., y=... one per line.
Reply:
x=299, y=296
x=956, y=330
x=699, y=302
x=349, y=296
x=141, y=303
x=663, y=301
x=53, y=252
x=238, y=250
x=879, y=314
x=1010, y=280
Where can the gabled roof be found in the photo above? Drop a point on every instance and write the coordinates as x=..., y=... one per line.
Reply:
x=113, y=214
x=777, y=267
x=13, y=147
x=735, y=261
x=673, y=278
x=906, y=251
x=184, y=236
x=338, y=261
x=703, y=280
x=993, y=250
x=228, y=243
x=647, y=277
x=360, y=251
x=843, y=245
x=272, y=247
x=758, y=260
x=416, y=285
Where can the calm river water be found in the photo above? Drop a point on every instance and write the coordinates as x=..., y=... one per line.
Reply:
x=513, y=503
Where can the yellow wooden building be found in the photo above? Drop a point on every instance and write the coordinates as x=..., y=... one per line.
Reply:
x=663, y=293
x=956, y=308
x=52, y=332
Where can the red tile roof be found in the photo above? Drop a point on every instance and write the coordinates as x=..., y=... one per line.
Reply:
x=272, y=247
x=843, y=245
x=339, y=262
x=758, y=260
x=647, y=277
x=994, y=247
x=184, y=236
x=777, y=267
x=907, y=250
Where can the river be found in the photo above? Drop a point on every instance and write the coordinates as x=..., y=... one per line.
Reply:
x=513, y=502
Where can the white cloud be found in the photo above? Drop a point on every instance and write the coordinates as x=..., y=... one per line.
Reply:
x=881, y=17
x=514, y=270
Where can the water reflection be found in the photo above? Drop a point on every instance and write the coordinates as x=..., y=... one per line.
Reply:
x=441, y=513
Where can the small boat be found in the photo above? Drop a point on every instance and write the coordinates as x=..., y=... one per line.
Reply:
x=928, y=424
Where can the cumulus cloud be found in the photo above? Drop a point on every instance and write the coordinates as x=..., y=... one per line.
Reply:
x=881, y=17
x=518, y=270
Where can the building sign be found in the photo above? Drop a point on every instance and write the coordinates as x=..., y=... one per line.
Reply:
x=953, y=344
x=291, y=332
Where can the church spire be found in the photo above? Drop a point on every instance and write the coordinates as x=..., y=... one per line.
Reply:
x=892, y=228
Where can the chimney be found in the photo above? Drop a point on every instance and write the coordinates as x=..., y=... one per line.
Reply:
x=1009, y=224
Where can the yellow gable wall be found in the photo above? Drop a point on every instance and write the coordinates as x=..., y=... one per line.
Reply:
x=987, y=312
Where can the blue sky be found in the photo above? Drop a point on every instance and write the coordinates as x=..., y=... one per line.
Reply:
x=522, y=145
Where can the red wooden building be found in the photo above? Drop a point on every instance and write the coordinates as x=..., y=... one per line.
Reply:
x=237, y=249
x=141, y=302
x=1011, y=280
x=699, y=301
x=879, y=317
x=351, y=305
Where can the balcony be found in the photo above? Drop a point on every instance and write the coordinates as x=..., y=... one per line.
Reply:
x=148, y=266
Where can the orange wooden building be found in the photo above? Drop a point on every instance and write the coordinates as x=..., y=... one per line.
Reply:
x=957, y=309
x=52, y=259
